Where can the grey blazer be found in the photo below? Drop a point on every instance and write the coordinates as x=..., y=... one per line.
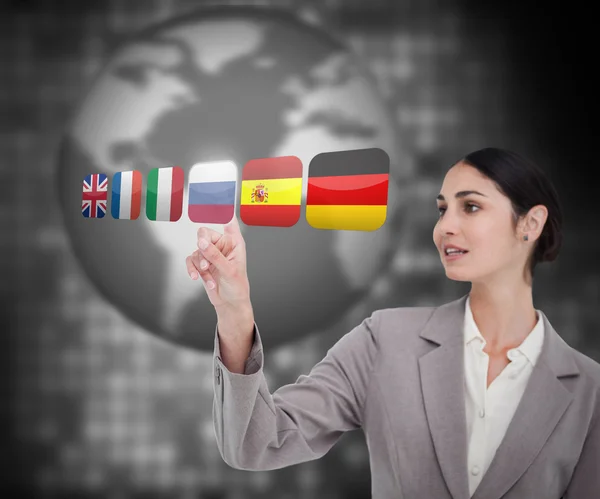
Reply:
x=399, y=377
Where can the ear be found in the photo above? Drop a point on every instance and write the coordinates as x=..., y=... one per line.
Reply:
x=535, y=221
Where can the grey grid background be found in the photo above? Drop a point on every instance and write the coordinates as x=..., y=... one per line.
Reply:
x=99, y=408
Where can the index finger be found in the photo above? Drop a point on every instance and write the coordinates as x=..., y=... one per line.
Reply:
x=233, y=228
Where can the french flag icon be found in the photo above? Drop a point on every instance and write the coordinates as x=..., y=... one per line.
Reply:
x=126, y=195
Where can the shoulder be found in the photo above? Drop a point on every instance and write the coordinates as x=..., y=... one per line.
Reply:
x=390, y=318
x=400, y=324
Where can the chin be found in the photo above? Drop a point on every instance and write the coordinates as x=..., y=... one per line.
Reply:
x=459, y=279
x=456, y=275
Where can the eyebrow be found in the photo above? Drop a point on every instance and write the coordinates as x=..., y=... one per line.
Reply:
x=460, y=194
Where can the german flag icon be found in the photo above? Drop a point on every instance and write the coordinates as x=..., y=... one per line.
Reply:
x=348, y=190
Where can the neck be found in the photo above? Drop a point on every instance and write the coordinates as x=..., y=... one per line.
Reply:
x=504, y=316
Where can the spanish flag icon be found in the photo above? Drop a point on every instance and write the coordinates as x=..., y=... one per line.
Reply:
x=271, y=192
x=348, y=190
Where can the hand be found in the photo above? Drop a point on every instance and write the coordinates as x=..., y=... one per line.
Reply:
x=222, y=266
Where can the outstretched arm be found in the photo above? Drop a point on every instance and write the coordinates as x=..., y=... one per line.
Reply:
x=299, y=422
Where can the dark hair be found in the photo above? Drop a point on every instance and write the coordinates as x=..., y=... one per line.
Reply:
x=526, y=185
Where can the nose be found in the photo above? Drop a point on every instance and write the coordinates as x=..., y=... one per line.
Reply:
x=448, y=223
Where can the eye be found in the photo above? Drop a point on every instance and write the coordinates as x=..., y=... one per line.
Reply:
x=471, y=205
x=441, y=209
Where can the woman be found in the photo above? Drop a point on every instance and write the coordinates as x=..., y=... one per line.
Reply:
x=479, y=397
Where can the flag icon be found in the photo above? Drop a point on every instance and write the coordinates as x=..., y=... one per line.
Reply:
x=126, y=197
x=348, y=190
x=212, y=192
x=94, y=196
x=271, y=191
x=164, y=198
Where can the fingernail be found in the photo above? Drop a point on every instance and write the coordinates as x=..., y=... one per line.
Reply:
x=203, y=243
x=194, y=275
x=203, y=264
x=211, y=285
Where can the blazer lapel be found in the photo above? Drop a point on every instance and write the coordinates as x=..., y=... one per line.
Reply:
x=543, y=403
x=442, y=383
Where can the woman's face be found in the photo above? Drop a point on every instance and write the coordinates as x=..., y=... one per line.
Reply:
x=480, y=223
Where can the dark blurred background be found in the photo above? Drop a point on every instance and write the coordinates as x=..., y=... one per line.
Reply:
x=456, y=75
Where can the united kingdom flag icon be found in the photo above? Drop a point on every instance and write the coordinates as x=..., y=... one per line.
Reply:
x=94, y=196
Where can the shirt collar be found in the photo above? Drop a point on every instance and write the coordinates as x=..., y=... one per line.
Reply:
x=530, y=347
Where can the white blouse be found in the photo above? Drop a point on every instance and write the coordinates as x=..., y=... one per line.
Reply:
x=490, y=410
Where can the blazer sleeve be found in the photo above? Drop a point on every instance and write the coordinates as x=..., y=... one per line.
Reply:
x=585, y=481
x=299, y=422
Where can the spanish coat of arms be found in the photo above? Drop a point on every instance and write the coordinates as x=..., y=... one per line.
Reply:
x=259, y=194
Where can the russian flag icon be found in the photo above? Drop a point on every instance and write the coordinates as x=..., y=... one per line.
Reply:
x=212, y=191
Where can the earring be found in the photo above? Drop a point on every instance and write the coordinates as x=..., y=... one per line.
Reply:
x=525, y=237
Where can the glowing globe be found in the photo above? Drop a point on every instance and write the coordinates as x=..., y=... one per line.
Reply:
x=225, y=84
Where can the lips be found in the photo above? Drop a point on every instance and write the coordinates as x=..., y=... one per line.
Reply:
x=455, y=255
x=451, y=246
